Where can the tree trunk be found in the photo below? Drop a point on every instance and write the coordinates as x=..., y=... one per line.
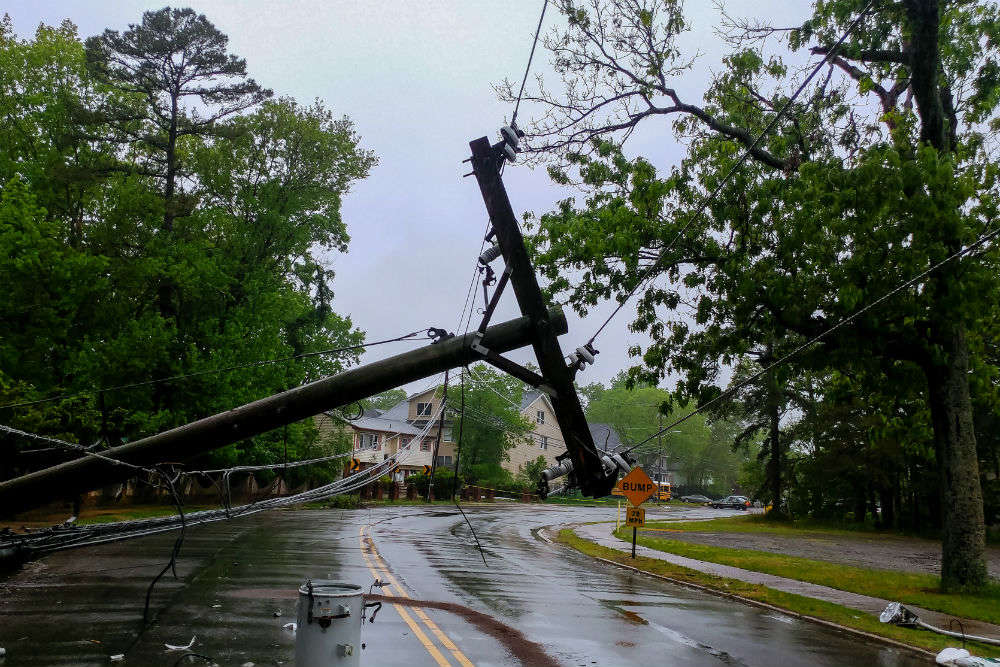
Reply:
x=773, y=417
x=888, y=497
x=963, y=536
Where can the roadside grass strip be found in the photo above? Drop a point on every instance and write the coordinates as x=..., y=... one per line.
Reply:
x=759, y=523
x=810, y=608
x=913, y=588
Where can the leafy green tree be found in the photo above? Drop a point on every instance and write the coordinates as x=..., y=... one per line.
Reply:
x=493, y=422
x=879, y=171
x=698, y=449
x=530, y=474
x=84, y=227
x=385, y=400
x=172, y=56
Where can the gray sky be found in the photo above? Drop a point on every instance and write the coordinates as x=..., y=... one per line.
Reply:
x=415, y=78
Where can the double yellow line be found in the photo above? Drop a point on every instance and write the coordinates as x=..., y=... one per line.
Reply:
x=381, y=571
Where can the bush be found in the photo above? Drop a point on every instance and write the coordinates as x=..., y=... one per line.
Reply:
x=344, y=502
x=444, y=479
x=386, y=483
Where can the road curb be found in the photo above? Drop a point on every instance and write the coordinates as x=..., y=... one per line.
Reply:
x=757, y=603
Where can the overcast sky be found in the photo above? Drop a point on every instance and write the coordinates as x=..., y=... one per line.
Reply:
x=415, y=78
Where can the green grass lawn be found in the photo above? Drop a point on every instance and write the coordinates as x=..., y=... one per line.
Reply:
x=112, y=515
x=757, y=523
x=908, y=587
x=827, y=611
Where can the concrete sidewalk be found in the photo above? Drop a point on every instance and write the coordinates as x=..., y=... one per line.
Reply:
x=601, y=533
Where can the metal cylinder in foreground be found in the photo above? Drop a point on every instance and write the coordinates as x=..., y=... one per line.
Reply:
x=329, y=624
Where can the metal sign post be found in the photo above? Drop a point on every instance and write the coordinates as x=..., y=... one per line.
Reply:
x=637, y=487
x=635, y=517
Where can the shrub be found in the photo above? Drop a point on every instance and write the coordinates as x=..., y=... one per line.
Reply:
x=444, y=478
x=344, y=502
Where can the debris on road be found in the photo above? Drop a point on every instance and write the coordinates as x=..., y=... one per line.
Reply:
x=172, y=647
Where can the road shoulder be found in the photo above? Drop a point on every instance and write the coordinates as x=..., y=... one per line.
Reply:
x=595, y=540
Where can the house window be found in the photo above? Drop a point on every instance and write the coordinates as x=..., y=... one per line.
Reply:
x=544, y=442
x=425, y=445
x=444, y=460
x=423, y=409
x=540, y=417
x=369, y=441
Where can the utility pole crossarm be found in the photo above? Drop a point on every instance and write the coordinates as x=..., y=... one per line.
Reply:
x=588, y=468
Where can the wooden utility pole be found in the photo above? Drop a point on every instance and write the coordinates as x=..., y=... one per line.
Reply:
x=437, y=442
x=587, y=466
x=184, y=442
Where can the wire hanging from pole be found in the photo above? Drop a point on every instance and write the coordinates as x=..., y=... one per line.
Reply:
x=527, y=69
x=252, y=364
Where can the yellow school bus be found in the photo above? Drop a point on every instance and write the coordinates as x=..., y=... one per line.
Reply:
x=662, y=491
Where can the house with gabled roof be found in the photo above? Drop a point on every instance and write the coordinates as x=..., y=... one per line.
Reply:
x=379, y=434
x=544, y=439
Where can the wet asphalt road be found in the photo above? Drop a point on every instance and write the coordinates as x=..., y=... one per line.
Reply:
x=80, y=607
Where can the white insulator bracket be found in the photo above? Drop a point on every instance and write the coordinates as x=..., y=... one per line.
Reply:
x=490, y=254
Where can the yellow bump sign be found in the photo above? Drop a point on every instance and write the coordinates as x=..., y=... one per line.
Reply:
x=635, y=516
x=637, y=486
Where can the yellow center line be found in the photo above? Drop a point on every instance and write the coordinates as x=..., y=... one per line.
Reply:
x=421, y=614
x=417, y=632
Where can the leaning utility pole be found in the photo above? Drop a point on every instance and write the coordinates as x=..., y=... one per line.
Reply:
x=181, y=443
x=556, y=377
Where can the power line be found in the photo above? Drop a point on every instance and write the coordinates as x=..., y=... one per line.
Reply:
x=472, y=284
x=517, y=105
x=896, y=290
x=70, y=445
x=252, y=364
x=703, y=206
x=79, y=536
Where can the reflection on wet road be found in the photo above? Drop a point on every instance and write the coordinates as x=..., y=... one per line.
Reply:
x=238, y=582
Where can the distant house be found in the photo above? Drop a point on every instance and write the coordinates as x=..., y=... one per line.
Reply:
x=605, y=436
x=607, y=440
x=378, y=434
x=545, y=439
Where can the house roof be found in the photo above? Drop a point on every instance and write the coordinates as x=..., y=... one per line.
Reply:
x=605, y=436
x=399, y=411
x=531, y=395
x=381, y=423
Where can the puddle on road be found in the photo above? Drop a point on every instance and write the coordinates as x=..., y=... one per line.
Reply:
x=673, y=635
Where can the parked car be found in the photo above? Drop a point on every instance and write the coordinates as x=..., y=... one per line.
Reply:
x=701, y=500
x=731, y=502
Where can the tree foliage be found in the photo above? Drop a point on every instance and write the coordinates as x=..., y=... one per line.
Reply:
x=493, y=422
x=881, y=170
x=92, y=232
x=704, y=453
